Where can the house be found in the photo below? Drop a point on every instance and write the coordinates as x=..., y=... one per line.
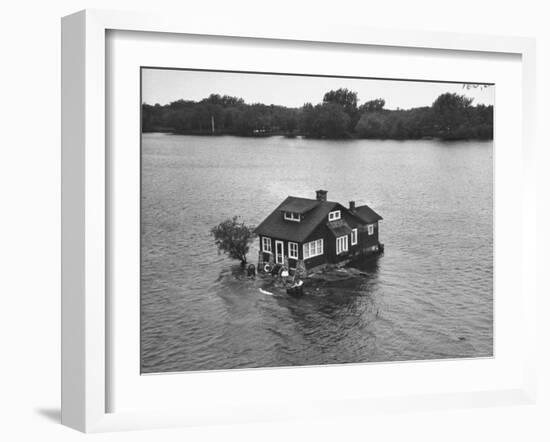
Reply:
x=309, y=233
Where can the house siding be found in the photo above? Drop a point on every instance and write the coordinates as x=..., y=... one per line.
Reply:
x=366, y=240
x=319, y=233
x=270, y=257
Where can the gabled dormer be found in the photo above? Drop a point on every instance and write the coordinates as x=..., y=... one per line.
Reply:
x=334, y=215
x=292, y=216
x=296, y=210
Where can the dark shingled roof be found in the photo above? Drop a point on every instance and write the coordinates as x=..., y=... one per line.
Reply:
x=298, y=205
x=367, y=214
x=276, y=227
x=313, y=213
x=339, y=227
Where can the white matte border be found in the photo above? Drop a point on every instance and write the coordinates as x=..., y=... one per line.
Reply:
x=128, y=51
x=516, y=388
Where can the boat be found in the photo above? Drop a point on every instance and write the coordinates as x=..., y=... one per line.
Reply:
x=296, y=289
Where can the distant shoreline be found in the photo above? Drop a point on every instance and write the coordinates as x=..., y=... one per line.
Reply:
x=337, y=117
x=166, y=132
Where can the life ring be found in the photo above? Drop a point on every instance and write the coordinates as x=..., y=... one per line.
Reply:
x=267, y=268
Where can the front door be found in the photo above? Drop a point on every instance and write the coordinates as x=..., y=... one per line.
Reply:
x=279, y=252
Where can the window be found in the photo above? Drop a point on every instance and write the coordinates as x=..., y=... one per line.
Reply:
x=279, y=252
x=293, y=250
x=341, y=244
x=316, y=247
x=313, y=248
x=266, y=244
x=332, y=216
x=354, y=237
x=292, y=216
x=370, y=228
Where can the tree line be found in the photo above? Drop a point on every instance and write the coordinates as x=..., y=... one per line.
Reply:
x=451, y=117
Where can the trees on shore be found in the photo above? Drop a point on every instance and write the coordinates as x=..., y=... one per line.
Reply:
x=450, y=117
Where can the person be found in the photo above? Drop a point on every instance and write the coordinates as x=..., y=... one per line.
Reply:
x=296, y=289
x=251, y=269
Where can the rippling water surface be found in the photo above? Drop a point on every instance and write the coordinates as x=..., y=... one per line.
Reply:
x=429, y=296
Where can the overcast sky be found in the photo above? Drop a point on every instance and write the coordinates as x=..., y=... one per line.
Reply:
x=164, y=86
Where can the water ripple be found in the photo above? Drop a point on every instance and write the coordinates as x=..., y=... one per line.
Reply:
x=429, y=296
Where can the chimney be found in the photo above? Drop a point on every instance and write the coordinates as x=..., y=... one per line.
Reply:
x=352, y=206
x=321, y=195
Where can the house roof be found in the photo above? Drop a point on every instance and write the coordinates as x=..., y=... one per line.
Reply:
x=298, y=205
x=275, y=226
x=367, y=214
x=339, y=227
x=313, y=213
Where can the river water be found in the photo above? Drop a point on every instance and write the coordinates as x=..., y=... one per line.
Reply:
x=429, y=296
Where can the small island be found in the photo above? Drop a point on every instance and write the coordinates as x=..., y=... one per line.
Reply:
x=339, y=116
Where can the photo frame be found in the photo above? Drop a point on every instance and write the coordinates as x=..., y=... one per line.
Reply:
x=88, y=316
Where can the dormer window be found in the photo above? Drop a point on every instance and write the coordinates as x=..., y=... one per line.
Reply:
x=333, y=216
x=292, y=216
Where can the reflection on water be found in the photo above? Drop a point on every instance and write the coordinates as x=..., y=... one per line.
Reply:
x=429, y=295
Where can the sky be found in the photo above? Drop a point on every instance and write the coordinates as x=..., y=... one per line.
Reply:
x=166, y=85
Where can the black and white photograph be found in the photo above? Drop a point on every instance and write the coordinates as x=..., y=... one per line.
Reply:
x=305, y=220
x=288, y=221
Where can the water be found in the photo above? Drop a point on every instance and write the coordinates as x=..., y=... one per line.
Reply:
x=429, y=296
